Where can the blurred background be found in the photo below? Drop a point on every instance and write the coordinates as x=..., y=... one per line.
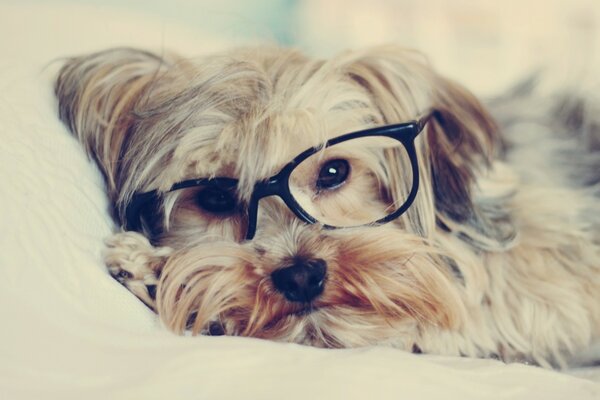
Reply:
x=487, y=45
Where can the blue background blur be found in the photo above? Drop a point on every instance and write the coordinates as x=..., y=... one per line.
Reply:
x=483, y=44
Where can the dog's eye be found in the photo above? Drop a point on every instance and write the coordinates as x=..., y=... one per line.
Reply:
x=216, y=200
x=333, y=174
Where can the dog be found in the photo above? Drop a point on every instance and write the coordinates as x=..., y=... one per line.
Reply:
x=360, y=200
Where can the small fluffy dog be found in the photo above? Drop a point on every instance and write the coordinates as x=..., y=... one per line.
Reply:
x=354, y=201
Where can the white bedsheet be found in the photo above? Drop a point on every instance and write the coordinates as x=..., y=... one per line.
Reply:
x=69, y=331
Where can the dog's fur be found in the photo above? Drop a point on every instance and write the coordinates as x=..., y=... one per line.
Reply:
x=499, y=255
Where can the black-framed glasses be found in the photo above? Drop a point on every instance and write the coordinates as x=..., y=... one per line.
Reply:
x=345, y=182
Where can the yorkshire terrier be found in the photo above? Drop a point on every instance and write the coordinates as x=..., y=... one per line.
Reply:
x=359, y=200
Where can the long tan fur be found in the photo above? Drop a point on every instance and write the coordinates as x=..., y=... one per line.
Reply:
x=483, y=264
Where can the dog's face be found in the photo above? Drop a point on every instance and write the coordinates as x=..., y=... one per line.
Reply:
x=152, y=122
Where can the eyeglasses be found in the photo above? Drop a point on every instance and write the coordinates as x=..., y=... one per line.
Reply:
x=345, y=182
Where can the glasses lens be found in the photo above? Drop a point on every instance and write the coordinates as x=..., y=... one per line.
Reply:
x=213, y=204
x=355, y=182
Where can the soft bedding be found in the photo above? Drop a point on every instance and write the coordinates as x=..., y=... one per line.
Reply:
x=68, y=330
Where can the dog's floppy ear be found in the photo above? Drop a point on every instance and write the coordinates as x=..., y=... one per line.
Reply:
x=457, y=146
x=97, y=96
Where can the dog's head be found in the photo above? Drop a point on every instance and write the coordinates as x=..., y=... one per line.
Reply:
x=235, y=162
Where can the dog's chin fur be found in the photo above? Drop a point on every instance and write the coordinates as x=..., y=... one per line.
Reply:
x=489, y=261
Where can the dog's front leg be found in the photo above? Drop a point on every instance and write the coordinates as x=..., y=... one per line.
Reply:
x=135, y=263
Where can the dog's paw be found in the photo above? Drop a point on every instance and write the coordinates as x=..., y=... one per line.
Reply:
x=135, y=263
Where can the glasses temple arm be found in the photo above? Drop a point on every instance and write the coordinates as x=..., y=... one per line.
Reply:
x=424, y=119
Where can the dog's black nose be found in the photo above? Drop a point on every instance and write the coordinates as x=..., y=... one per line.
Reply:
x=301, y=282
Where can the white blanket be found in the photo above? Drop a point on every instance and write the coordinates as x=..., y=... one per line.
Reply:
x=69, y=331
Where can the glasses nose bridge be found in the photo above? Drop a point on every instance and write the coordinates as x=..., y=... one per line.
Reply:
x=274, y=186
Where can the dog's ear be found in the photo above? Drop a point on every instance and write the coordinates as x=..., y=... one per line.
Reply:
x=97, y=97
x=457, y=146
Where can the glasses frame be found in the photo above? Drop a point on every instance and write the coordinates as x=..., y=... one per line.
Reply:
x=278, y=185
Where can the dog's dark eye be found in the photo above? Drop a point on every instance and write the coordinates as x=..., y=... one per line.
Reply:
x=216, y=200
x=333, y=174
